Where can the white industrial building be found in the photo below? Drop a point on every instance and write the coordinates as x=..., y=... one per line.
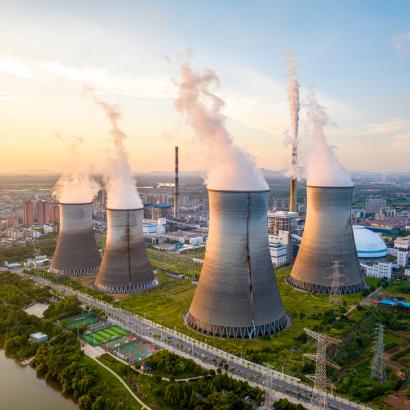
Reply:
x=278, y=253
x=379, y=270
x=402, y=258
x=407, y=272
x=368, y=244
x=402, y=242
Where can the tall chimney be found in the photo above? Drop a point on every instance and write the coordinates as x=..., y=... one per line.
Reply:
x=293, y=200
x=76, y=253
x=237, y=295
x=176, y=194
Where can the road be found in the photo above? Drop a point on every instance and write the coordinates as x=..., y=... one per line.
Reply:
x=275, y=384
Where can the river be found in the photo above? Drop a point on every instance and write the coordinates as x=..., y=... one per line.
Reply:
x=20, y=389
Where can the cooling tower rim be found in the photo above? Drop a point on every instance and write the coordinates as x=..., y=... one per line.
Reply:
x=75, y=203
x=331, y=187
x=124, y=209
x=237, y=191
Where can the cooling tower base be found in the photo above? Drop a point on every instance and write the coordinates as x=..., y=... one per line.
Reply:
x=75, y=272
x=250, y=332
x=122, y=290
x=312, y=287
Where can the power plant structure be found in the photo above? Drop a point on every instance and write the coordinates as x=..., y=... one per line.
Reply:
x=76, y=253
x=125, y=267
x=176, y=193
x=328, y=237
x=237, y=294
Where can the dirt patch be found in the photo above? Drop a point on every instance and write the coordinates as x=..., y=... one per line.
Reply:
x=397, y=401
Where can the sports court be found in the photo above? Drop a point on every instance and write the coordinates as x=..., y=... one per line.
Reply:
x=135, y=351
x=104, y=335
x=85, y=319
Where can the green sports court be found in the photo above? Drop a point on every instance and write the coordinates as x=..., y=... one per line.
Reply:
x=84, y=319
x=135, y=351
x=104, y=335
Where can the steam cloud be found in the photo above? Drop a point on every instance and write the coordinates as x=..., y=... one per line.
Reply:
x=293, y=95
x=119, y=182
x=76, y=185
x=230, y=168
x=322, y=168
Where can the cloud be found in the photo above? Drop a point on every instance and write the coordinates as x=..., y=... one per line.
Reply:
x=101, y=78
x=402, y=43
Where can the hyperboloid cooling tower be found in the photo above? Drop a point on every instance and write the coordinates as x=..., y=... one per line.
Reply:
x=237, y=295
x=327, y=239
x=76, y=253
x=125, y=267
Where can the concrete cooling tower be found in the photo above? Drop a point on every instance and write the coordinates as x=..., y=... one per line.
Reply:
x=328, y=238
x=125, y=267
x=76, y=253
x=237, y=295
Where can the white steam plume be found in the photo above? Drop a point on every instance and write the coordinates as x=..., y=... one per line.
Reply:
x=322, y=168
x=76, y=185
x=294, y=105
x=230, y=168
x=119, y=180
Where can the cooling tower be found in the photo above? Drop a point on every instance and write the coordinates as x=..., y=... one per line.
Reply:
x=237, y=295
x=125, y=267
x=76, y=253
x=328, y=238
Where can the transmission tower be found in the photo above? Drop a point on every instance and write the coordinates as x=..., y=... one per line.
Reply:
x=378, y=366
x=319, y=395
x=335, y=288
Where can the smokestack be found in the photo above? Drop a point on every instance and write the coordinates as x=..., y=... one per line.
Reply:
x=76, y=253
x=237, y=295
x=176, y=195
x=125, y=267
x=328, y=237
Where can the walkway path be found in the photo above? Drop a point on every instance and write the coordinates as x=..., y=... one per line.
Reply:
x=143, y=405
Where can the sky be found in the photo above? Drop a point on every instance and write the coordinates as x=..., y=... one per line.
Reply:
x=356, y=56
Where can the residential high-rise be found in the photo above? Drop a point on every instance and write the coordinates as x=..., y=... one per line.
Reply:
x=28, y=213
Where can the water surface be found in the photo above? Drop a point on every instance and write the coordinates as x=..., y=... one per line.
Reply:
x=20, y=389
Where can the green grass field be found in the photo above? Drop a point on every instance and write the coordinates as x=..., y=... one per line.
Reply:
x=85, y=319
x=101, y=336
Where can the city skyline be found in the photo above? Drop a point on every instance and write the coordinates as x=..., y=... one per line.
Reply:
x=356, y=55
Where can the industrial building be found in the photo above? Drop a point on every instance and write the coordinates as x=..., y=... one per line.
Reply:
x=327, y=239
x=125, y=267
x=76, y=253
x=379, y=270
x=237, y=294
x=369, y=245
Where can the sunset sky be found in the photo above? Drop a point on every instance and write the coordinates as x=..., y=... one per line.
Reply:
x=356, y=55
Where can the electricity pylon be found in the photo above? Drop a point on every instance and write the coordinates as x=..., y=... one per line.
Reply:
x=319, y=395
x=378, y=365
x=335, y=289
